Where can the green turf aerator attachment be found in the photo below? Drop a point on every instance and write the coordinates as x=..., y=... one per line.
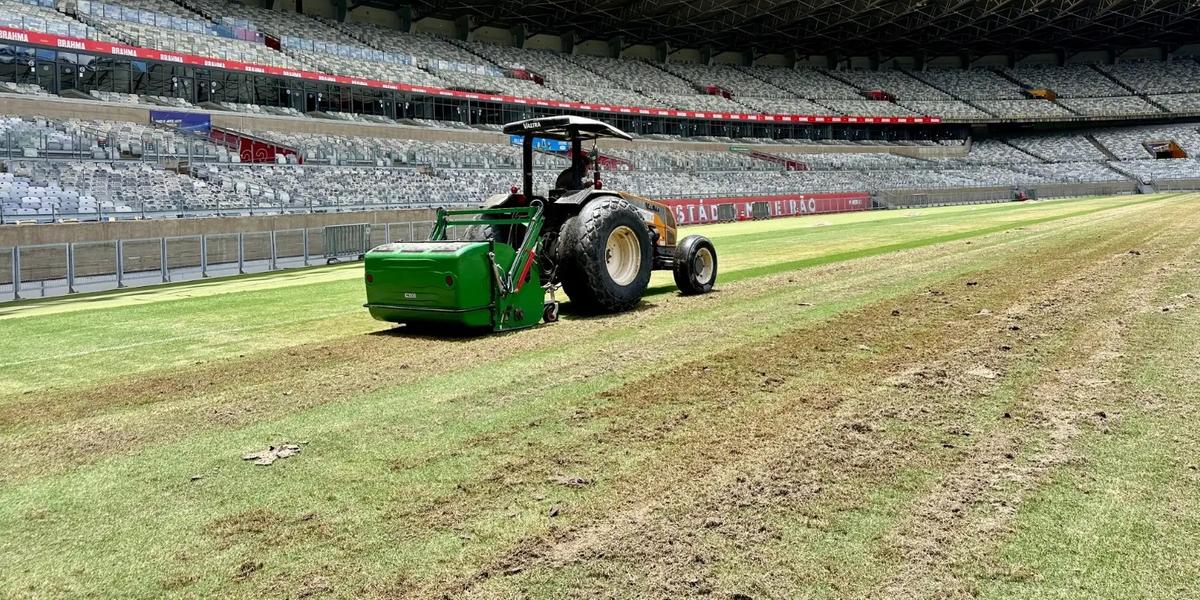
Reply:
x=462, y=284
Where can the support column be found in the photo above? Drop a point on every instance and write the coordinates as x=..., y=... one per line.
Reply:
x=16, y=272
x=162, y=260
x=306, y=246
x=662, y=51
x=404, y=12
x=120, y=263
x=706, y=55
x=463, y=26
x=70, y=268
x=567, y=41
x=615, y=45
x=241, y=254
x=203, y=256
x=519, y=35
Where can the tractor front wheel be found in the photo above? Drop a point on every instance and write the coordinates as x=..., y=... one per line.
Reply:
x=695, y=265
x=605, y=257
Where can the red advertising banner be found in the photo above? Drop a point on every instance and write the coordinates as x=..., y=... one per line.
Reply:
x=68, y=43
x=693, y=211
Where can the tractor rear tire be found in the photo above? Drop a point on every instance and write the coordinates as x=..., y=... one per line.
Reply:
x=695, y=265
x=500, y=233
x=605, y=257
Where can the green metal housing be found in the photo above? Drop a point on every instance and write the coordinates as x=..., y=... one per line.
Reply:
x=459, y=284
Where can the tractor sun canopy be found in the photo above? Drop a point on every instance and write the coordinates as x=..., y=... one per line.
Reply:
x=566, y=128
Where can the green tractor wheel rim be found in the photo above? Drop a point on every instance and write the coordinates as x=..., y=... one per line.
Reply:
x=623, y=255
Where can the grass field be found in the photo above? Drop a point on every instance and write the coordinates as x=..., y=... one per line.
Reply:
x=991, y=401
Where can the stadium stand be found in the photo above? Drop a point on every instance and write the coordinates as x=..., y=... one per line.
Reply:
x=1110, y=107
x=1023, y=109
x=1073, y=81
x=54, y=169
x=806, y=83
x=1157, y=77
x=972, y=84
x=897, y=83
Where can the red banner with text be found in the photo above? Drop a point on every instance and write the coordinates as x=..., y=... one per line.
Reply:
x=694, y=211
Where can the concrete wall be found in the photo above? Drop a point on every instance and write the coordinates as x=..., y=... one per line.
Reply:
x=440, y=27
x=1063, y=190
x=1088, y=58
x=592, y=48
x=544, y=42
x=378, y=16
x=991, y=60
x=641, y=51
x=1177, y=185
x=685, y=55
x=771, y=60
x=492, y=35
x=943, y=196
x=1044, y=58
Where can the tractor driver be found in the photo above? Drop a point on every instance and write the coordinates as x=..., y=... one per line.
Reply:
x=571, y=179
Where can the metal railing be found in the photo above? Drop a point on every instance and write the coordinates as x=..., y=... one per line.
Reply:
x=46, y=270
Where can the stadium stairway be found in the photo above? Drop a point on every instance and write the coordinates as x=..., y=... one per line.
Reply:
x=1132, y=91
x=1101, y=147
x=1025, y=151
x=948, y=92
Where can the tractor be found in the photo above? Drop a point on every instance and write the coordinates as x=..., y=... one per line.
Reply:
x=520, y=248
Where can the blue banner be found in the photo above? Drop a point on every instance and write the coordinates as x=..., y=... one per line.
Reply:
x=542, y=144
x=186, y=121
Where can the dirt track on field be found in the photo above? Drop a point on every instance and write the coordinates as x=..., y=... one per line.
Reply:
x=798, y=427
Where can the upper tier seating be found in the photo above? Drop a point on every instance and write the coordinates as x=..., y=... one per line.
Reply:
x=595, y=95
x=1071, y=81
x=635, y=75
x=944, y=108
x=553, y=67
x=1110, y=106
x=867, y=107
x=972, y=84
x=783, y=106
x=1156, y=77
x=1179, y=102
x=897, y=83
x=806, y=83
x=1023, y=109
x=703, y=102
x=732, y=79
